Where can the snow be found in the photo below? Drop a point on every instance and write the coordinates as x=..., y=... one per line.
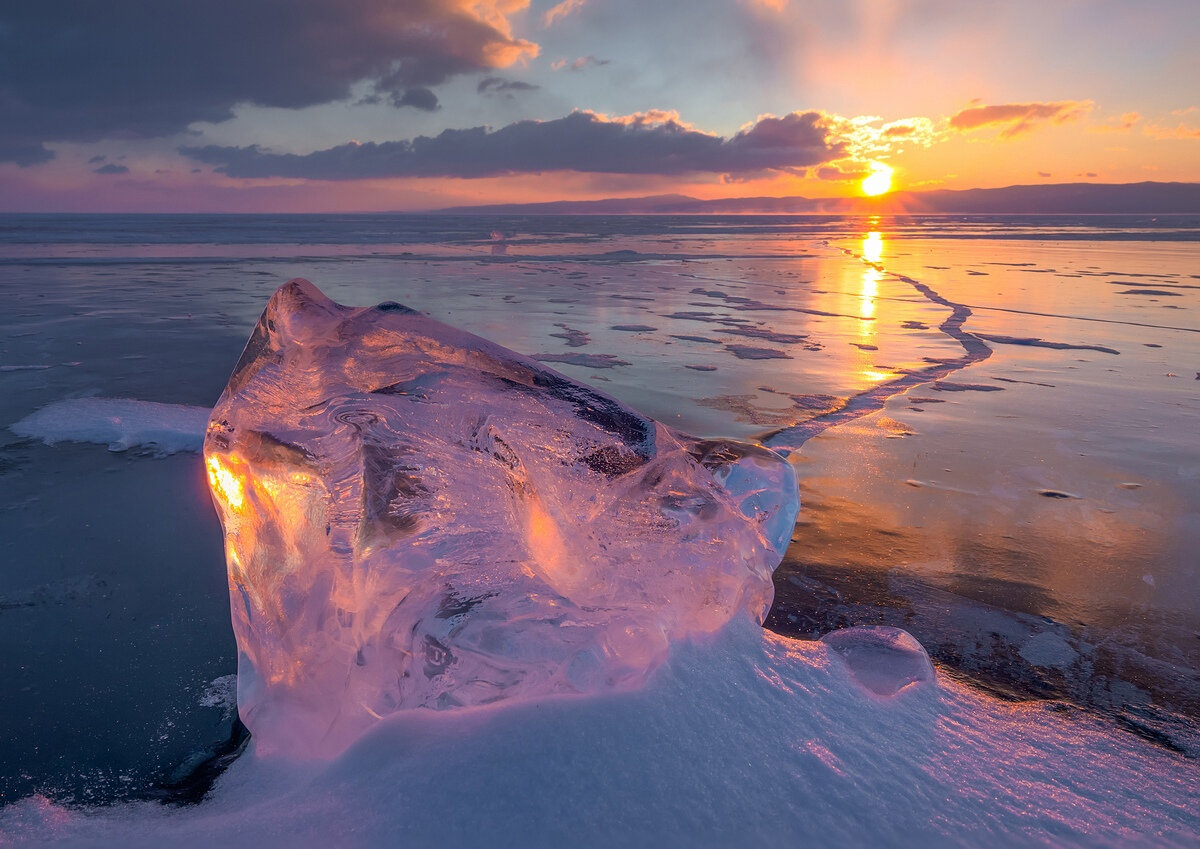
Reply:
x=742, y=738
x=119, y=423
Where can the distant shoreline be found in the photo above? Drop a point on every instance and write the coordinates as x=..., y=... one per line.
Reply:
x=1147, y=198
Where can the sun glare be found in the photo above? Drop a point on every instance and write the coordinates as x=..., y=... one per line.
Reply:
x=878, y=181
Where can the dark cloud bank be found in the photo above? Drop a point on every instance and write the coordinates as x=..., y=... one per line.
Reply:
x=82, y=70
x=581, y=141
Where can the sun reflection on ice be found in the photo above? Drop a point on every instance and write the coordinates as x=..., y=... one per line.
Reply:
x=872, y=246
x=872, y=252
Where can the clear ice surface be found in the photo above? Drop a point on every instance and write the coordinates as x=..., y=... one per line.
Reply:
x=418, y=518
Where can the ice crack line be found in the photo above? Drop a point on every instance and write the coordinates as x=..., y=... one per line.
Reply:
x=789, y=439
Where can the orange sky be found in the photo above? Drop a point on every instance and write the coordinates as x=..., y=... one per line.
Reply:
x=404, y=105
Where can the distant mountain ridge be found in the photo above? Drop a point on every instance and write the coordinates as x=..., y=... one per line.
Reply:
x=1055, y=198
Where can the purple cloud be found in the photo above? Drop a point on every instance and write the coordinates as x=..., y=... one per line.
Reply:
x=419, y=97
x=79, y=70
x=650, y=143
x=499, y=85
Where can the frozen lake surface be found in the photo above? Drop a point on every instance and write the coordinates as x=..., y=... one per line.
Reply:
x=993, y=421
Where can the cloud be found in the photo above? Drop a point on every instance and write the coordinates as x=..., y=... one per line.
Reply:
x=1044, y=174
x=1123, y=124
x=1018, y=118
x=578, y=64
x=842, y=171
x=644, y=143
x=499, y=85
x=111, y=168
x=562, y=10
x=1180, y=131
x=79, y=70
x=868, y=137
x=418, y=97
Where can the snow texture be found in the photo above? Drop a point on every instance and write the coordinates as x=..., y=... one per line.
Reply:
x=742, y=738
x=417, y=518
x=119, y=423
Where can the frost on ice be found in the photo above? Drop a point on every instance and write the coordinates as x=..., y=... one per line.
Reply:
x=417, y=518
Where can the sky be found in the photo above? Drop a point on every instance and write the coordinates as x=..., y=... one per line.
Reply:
x=371, y=105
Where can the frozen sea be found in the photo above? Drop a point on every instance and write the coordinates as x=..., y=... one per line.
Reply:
x=994, y=421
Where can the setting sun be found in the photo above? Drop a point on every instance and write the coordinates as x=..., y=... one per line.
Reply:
x=879, y=181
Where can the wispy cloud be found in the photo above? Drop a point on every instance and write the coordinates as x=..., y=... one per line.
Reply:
x=1126, y=122
x=1179, y=131
x=562, y=10
x=1015, y=119
x=578, y=64
x=655, y=142
x=843, y=171
x=499, y=85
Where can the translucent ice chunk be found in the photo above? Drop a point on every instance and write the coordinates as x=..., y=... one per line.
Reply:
x=882, y=659
x=416, y=517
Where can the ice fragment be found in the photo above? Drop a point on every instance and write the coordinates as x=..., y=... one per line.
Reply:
x=417, y=518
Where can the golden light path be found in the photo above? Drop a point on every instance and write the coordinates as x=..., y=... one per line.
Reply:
x=872, y=252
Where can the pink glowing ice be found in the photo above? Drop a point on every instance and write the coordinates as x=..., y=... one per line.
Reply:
x=417, y=518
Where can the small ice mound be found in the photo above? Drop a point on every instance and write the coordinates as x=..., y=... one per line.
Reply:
x=880, y=658
x=417, y=518
x=119, y=423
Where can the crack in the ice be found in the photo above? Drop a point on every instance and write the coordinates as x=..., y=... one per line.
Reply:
x=788, y=439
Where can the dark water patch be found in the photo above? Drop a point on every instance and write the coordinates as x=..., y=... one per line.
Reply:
x=768, y=335
x=1056, y=493
x=1035, y=342
x=574, y=338
x=633, y=328
x=703, y=339
x=586, y=360
x=750, y=352
x=1025, y=382
x=948, y=386
x=1156, y=283
x=1162, y=293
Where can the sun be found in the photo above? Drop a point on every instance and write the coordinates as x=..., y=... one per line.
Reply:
x=879, y=181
